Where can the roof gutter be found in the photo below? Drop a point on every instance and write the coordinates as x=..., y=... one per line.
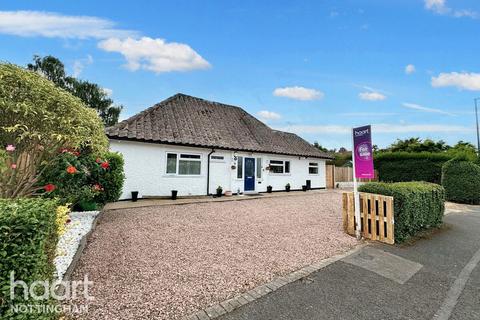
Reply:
x=208, y=171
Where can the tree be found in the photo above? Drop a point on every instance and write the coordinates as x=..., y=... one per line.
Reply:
x=319, y=147
x=91, y=94
x=37, y=119
x=417, y=145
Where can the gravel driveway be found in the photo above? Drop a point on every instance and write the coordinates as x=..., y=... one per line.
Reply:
x=166, y=262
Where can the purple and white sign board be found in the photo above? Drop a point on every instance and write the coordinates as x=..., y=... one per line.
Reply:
x=363, y=153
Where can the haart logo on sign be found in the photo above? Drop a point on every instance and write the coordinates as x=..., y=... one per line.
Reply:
x=363, y=154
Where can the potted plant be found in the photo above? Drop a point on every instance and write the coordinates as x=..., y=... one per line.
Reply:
x=304, y=188
x=134, y=196
x=287, y=187
x=219, y=191
x=269, y=189
x=174, y=194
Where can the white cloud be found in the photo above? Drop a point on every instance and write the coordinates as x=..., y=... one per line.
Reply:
x=155, y=55
x=409, y=69
x=54, y=25
x=441, y=7
x=371, y=96
x=298, y=93
x=268, y=115
x=437, y=6
x=463, y=80
x=108, y=92
x=379, y=128
x=425, y=109
x=80, y=64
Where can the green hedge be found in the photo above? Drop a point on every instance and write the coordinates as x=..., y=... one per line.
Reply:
x=461, y=180
x=28, y=239
x=405, y=166
x=417, y=205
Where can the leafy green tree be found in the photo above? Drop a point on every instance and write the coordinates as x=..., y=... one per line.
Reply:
x=37, y=119
x=91, y=94
x=319, y=147
x=417, y=145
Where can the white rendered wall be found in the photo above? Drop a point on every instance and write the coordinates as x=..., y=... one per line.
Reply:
x=145, y=171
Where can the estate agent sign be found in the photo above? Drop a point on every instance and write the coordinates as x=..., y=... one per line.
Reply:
x=362, y=152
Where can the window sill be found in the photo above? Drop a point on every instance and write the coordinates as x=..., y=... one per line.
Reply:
x=182, y=176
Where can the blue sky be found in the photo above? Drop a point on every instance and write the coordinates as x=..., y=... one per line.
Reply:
x=316, y=68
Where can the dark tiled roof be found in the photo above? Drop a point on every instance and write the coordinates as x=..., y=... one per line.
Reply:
x=186, y=120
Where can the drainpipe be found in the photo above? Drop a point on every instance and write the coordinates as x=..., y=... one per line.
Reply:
x=208, y=171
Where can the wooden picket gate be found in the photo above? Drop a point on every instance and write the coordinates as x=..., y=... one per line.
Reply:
x=376, y=212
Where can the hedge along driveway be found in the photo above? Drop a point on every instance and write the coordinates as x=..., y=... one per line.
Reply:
x=170, y=261
x=417, y=205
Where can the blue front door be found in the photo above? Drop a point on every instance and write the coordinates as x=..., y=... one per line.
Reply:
x=249, y=174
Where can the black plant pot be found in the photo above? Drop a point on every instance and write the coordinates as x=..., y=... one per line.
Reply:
x=287, y=188
x=134, y=196
x=174, y=194
x=304, y=188
x=269, y=189
x=219, y=192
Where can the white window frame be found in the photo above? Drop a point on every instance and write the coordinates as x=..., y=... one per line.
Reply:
x=177, y=166
x=283, y=173
x=243, y=167
x=315, y=165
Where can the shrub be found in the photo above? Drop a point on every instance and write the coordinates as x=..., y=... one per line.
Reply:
x=109, y=179
x=84, y=180
x=36, y=120
x=61, y=219
x=28, y=240
x=405, y=166
x=461, y=180
x=417, y=205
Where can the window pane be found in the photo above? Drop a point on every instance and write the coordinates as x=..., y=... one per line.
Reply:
x=276, y=169
x=239, y=167
x=276, y=162
x=287, y=166
x=313, y=170
x=190, y=156
x=171, y=163
x=313, y=164
x=259, y=168
x=187, y=167
x=216, y=157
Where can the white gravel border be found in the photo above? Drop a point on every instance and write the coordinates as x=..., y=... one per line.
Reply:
x=80, y=225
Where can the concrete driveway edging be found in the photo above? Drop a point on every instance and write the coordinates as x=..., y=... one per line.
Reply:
x=229, y=305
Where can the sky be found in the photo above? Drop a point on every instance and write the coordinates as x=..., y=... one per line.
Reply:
x=410, y=68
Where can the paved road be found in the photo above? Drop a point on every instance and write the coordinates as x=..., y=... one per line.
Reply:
x=436, y=278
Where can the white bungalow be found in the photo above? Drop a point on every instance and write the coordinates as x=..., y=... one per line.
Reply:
x=193, y=145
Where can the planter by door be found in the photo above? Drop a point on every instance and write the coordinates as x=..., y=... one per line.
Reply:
x=304, y=188
x=269, y=189
x=174, y=194
x=287, y=188
x=219, y=192
x=134, y=196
